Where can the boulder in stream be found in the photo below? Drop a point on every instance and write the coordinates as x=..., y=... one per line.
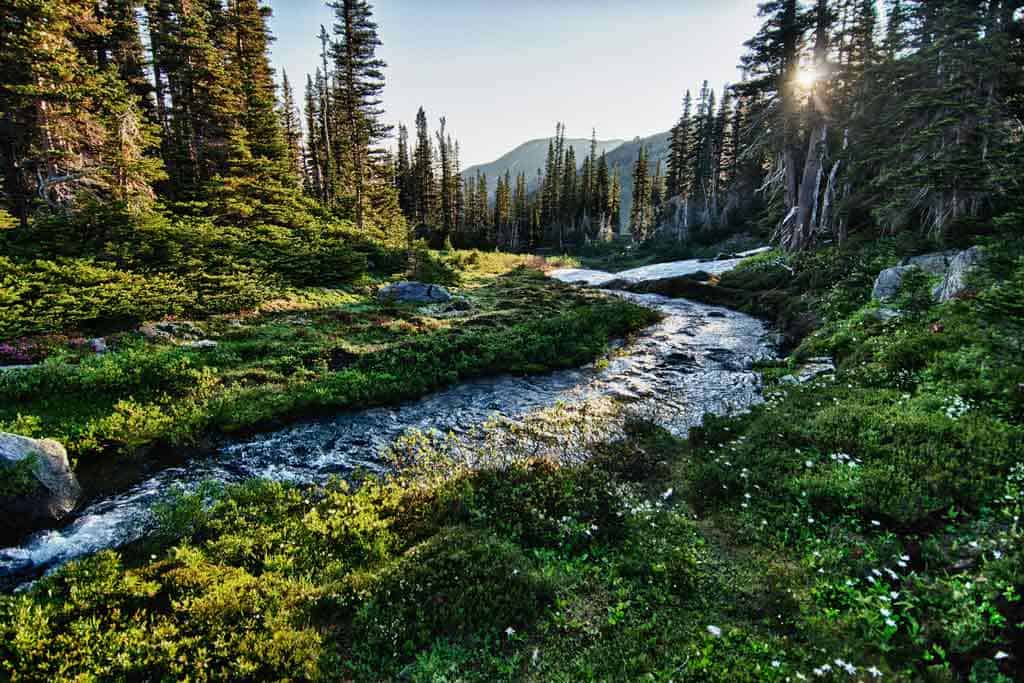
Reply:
x=37, y=486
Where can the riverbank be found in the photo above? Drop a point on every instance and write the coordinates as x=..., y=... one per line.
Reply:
x=862, y=525
x=324, y=351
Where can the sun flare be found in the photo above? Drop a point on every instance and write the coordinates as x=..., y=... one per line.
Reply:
x=807, y=77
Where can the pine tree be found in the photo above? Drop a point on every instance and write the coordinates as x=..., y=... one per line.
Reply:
x=680, y=181
x=568, y=194
x=250, y=67
x=291, y=128
x=359, y=78
x=447, y=196
x=70, y=126
x=423, y=172
x=640, y=214
x=314, y=151
x=403, y=174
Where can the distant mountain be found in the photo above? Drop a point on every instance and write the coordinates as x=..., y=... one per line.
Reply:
x=531, y=156
x=625, y=155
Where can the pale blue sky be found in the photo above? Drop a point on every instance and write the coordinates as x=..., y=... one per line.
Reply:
x=503, y=72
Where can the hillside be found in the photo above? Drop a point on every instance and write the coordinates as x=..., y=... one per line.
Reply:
x=531, y=156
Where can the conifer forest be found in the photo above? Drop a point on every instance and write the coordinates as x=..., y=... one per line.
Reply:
x=291, y=390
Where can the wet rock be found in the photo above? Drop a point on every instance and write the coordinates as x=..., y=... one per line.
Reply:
x=810, y=370
x=618, y=284
x=414, y=292
x=51, y=495
x=955, y=281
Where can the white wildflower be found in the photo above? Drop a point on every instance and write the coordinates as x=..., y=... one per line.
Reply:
x=715, y=631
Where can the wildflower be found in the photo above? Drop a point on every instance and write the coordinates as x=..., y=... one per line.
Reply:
x=875, y=672
x=885, y=612
x=890, y=623
x=894, y=594
x=510, y=631
x=997, y=554
x=808, y=464
x=667, y=494
x=536, y=656
x=1001, y=655
x=715, y=631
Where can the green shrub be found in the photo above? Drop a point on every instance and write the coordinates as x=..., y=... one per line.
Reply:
x=461, y=584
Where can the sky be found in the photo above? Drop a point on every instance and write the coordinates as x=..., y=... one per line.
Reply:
x=504, y=72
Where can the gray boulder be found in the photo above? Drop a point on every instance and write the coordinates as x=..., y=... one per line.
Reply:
x=52, y=491
x=200, y=345
x=887, y=284
x=935, y=263
x=955, y=282
x=414, y=292
x=952, y=265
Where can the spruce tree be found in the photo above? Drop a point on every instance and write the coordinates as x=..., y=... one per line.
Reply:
x=359, y=82
x=291, y=129
x=640, y=214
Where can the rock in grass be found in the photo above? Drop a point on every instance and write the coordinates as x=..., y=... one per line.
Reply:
x=887, y=284
x=955, y=282
x=414, y=292
x=37, y=486
x=953, y=266
x=200, y=344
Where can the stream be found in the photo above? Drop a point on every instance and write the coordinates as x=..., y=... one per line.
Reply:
x=697, y=360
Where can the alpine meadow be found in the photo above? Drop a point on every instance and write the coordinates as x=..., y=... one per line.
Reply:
x=712, y=370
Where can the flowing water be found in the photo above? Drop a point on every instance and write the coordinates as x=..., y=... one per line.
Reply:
x=696, y=360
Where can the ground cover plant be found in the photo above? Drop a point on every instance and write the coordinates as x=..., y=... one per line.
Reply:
x=865, y=526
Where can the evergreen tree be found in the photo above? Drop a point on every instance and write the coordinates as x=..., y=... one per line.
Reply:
x=404, y=176
x=423, y=172
x=359, y=82
x=314, y=151
x=640, y=218
x=291, y=128
x=70, y=125
x=680, y=180
x=249, y=67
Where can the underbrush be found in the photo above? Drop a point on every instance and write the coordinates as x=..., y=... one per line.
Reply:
x=864, y=526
